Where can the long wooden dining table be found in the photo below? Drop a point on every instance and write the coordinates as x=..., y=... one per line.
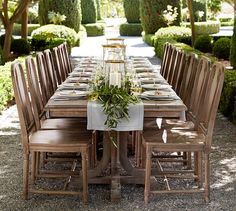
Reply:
x=116, y=157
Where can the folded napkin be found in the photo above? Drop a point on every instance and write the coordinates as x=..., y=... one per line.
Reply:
x=96, y=118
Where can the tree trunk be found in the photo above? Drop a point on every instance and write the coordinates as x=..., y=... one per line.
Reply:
x=190, y=8
x=7, y=42
x=24, y=23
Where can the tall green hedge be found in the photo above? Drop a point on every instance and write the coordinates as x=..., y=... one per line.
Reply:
x=233, y=47
x=70, y=8
x=132, y=11
x=99, y=16
x=89, y=11
x=228, y=97
x=151, y=14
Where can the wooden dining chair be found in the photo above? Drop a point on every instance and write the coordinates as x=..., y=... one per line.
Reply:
x=39, y=141
x=172, y=65
x=63, y=59
x=43, y=121
x=198, y=141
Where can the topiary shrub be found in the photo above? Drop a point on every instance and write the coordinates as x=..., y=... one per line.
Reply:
x=99, y=16
x=49, y=32
x=204, y=28
x=233, y=47
x=132, y=11
x=151, y=14
x=227, y=104
x=89, y=11
x=20, y=46
x=174, y=32
x=17, y=28
x=95, y=29
x=221, y=48
x=131, y=29
x=70, y=8
x=204, y=43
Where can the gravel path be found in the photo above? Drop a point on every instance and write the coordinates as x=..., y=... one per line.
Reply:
x=223, y=179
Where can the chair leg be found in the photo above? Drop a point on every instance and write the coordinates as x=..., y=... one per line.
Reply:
x=33, y=166
x=84, y=155
x=207, y=177
x=147, y=174
x=25, y=176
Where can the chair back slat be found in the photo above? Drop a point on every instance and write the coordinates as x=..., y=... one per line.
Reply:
x=45, y=84
x=23, y=103
x=51, y=69
x=34, y=88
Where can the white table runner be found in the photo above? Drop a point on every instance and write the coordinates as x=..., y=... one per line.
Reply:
x=96, y=118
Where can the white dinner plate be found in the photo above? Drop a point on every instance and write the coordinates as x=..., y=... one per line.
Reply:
x=157, y=86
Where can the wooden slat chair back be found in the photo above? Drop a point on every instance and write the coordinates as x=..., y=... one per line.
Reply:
x=61, y=75
x=67, y=57
x=188, y=77
x=62, y=57
x=198, y=91
x=170, y=61
x=44, y=78
x=167, y=47
x=36, y=141
x=178, y=76
x=51, y=68
x=36, y=95
x=172, y=65
x=209, y=105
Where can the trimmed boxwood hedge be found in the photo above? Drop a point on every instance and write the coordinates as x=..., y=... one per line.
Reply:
x=131, y=29
x=233, y=47
x=204, y=28
x=51, y=31
x=228, y=97
x=95, y=29
x=148, y=38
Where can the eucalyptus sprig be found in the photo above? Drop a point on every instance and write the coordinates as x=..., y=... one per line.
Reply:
x=115, y=100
